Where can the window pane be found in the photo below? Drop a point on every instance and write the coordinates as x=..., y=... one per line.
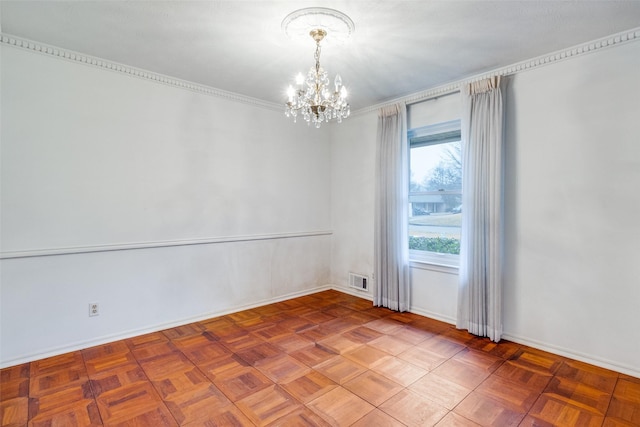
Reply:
x=435, y=198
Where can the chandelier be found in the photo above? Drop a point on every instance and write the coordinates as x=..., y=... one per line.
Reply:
x=313, y=97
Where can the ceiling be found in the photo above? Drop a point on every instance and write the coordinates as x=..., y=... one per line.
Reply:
x=399, y=47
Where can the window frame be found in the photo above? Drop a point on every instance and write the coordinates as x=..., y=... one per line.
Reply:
x=435, y=134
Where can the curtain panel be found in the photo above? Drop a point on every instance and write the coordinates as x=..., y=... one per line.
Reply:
x=481, y=252
x=391, y=246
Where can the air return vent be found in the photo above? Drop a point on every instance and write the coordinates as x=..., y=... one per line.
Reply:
x=359, y=282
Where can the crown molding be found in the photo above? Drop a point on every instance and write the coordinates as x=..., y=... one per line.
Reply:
x=93, y=61
x=529, y=64
x=442, y=90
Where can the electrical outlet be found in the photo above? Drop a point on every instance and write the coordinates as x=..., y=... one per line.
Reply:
x=94, y=309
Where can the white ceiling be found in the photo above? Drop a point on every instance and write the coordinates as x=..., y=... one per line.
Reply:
x=399, y=47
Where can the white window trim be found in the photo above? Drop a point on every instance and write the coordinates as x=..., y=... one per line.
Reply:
x=413, y=264
x=447, y=263
x=435, y=259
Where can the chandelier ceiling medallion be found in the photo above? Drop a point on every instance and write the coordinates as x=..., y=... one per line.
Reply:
x=313, y=97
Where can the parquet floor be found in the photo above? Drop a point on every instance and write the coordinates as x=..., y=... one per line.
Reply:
x=318, y=360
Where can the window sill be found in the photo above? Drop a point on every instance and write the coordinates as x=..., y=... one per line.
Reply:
x=428, y=265
x=443, y=264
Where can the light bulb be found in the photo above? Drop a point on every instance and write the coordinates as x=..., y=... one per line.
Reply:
x=338, y=82
x=299, y=79
x=343, y=92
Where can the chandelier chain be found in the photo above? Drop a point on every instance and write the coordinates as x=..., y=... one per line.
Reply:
x=317, y=56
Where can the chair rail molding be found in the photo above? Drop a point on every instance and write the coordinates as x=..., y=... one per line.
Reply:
x=29, y=253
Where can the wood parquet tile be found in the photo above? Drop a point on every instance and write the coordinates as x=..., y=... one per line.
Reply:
x=461, y=373
x=413, y=409
x=154, y=350
x=559, y=412
x=203, y=353
x=258, y=353
x=193, y=404
x=136, y=403
x=340, y=369
x=362, y=335
x=109, y=361
x=116, y=379
x=158, y=368
x=338, y=344
x=310, y=386
x=537, y=360
x=377, y=418
x=240, y=341
x=440, y=390
x=179, y=382
x=327, y=359
x=385, y=326
x=241, y=381
x=625, y=405
x=302, y=417
x=390, y=344
x=454, y=420
x=367, y=356
x=15, y=373
x=56, y=363
x=422, y=358
x=486, y=411
x=268, y=405
x=534, y=380
x=313, y=355
x=580, y=395
x=282, y=368
x=74, y=405
x=340, y=407
x=508, y=393
x=292, y=343
x=14, y=412
x=227, y=416
x=373, y=387
x=400, y=371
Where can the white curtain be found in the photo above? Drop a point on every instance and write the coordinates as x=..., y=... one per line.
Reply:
x=391, y=247
x=481, y=252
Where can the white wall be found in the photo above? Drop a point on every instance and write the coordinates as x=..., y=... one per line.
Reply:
x=572, y=235
x=98, y=159
x=352, y=198
x=572, y=279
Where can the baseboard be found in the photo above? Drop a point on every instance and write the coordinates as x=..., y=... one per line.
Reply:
x=369, y=296
x=432, y=315
x=572, y=354
x=352, y=291
x=603, y=363
x=80, y=345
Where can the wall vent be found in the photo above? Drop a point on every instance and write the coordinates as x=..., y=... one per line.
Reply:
x=359, y=282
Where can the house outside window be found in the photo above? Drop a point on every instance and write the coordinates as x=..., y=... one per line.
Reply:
x=435, y=193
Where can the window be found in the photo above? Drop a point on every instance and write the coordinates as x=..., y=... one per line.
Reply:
x=435, y=193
